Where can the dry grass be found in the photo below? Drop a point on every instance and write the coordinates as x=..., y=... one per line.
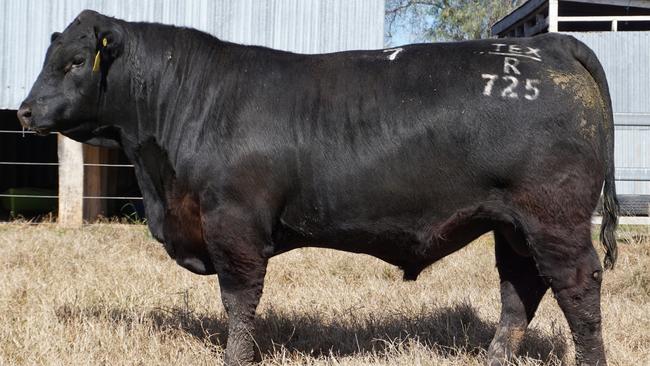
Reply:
x=108, y=294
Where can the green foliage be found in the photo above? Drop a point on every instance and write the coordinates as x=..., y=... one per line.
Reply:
x=445, y=20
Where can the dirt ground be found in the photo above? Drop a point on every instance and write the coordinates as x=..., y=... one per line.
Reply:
x=108, y=294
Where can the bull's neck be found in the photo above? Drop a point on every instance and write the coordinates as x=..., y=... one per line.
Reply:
x=169, y=86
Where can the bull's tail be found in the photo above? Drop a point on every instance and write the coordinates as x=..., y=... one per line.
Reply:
x=610, y=203
x=610, y=220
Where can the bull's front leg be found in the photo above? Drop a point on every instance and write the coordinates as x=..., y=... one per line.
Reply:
x=236, y=248
x=240, y=297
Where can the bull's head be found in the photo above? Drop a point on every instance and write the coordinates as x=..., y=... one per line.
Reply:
x=67, y=95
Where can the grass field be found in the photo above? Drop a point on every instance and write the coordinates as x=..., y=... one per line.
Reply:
x=108, y=295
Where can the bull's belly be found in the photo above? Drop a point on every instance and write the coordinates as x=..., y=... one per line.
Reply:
x=410, y=249
x=406, y=243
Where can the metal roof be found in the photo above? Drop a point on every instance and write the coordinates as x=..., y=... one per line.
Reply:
x=307, y=26
x=523, y=11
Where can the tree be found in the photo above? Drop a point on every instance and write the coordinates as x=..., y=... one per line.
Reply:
x=445, y=20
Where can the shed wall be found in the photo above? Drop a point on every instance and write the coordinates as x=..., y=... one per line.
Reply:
x=306, y=26
x=625, y=56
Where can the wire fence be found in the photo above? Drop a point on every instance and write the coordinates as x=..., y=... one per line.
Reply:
x=20, y=163
x=55, y=196
x=84, y=197
x=57, y=164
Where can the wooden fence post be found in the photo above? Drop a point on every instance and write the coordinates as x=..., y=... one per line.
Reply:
x=97, y=181
x=71, y=182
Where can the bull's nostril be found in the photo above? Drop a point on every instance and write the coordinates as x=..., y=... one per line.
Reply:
x=25, y=115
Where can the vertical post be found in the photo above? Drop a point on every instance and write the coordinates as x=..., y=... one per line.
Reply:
x=614, y=25
x=71, y=182
x=94, y=182
x=552, y=15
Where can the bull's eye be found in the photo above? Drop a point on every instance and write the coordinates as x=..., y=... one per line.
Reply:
x=76, y=62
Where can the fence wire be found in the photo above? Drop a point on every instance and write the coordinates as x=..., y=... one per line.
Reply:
x=37, y=196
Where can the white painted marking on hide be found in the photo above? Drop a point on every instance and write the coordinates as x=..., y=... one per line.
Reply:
x=531, y=85
x=513, y=48
x=509, y=92
x=395, y=52
x=510, y=64
x=499, y=45
x=515, y=55
x=487, y=91
x=511, y=61
x=534, y=51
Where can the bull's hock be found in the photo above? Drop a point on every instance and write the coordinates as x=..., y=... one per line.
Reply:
x=408, y=154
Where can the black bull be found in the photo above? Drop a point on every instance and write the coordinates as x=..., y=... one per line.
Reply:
x=407, y=154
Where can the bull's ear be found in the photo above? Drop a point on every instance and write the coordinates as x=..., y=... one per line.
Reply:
x=109, y=43
x=54, y=36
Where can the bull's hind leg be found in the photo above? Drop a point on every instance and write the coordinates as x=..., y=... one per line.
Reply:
x=522, y=289
x=568, y=260
x=236, y=249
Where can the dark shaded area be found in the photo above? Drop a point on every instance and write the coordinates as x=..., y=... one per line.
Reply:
x=449, y=330
x=573, y=8
x=16, y=147
x=584, y=26
x=602, y=26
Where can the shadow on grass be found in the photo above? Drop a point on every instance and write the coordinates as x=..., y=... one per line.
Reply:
x=448, y=330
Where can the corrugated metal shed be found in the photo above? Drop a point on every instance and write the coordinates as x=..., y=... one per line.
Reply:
x=625, y=56
x=306, y=26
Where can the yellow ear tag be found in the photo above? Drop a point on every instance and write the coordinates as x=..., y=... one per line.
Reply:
x=97, y=58
x=96, y=63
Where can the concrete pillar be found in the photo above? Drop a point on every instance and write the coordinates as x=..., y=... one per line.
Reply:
x=71, y=182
